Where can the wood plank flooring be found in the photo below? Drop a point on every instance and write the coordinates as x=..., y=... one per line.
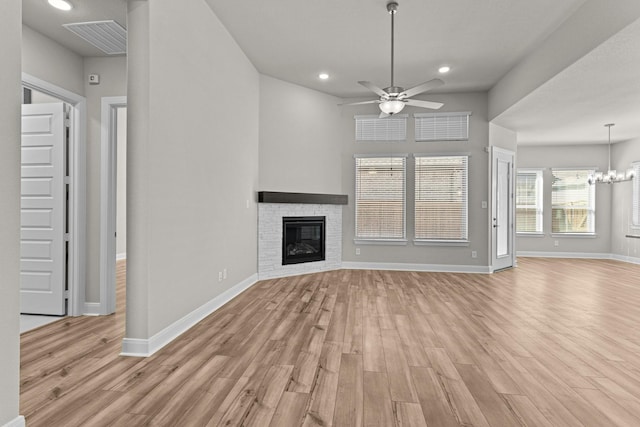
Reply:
x=550, y=343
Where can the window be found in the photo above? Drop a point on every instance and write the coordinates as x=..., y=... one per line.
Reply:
x=441, y=198
x=442, y=126
x=372, y=128
x=529, y=201
x=380, y=198
x=573, y=202
x=635, y=216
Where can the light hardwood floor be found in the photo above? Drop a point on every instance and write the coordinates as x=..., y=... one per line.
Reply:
x=551, y=343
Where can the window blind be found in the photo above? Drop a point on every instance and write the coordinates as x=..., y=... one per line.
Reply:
x=572, y=202
x=529, y=201
x=441, y=202
x=635, y=200
x=442, y=126
x=372, y=128
x=380, y=197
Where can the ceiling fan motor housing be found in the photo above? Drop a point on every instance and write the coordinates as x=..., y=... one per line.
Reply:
x=394, y=90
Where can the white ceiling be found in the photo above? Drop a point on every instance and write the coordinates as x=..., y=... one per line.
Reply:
x=294, y=40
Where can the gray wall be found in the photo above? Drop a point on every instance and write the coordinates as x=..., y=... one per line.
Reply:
x=622, y=154
x=113, y=82
x=192, y=162
x=47, y=60
x=478, y=185
x=578, y=156
x=10, y=19
x=300, y=143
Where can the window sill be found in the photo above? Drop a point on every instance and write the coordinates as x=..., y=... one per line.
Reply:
x=388, y=242
x=529, y=234
x=578, y=235
x=424, y=242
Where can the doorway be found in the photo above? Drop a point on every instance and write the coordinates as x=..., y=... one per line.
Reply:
x=502, y=209
x=112, y=197
x=73, y=180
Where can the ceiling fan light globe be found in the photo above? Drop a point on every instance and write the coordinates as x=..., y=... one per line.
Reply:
x=392, y=106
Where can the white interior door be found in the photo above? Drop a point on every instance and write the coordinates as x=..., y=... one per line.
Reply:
x=502, y=212
x=42, y=229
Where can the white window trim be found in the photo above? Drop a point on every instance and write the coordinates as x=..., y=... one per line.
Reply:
x=418, y=116
x=539, y=202
x=443, y=242
x=376, y=118
x=590, y=234
x=382, y=240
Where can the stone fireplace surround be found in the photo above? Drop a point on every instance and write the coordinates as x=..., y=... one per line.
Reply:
x=273, y=206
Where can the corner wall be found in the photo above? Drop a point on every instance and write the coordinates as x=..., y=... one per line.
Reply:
x=622, y=155
x=567, y=156
x=192, y=163
x=453, y=257
x=300, y=145
x=10, y=88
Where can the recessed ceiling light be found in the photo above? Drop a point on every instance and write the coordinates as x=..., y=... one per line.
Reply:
x=61, y=4
x=444, y=69
x=323, y=76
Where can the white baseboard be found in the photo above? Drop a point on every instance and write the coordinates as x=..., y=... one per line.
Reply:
x=147, y=347
x=16, y=422
x=121, y=256
x=624, y=258
x=440, y=268
x=583, y=255
x=92, y=309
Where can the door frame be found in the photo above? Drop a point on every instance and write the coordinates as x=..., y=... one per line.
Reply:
x=108, y=183
x=493, y=213
x=76, y=276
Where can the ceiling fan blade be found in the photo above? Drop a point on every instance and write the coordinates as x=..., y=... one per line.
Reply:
x=373, y=88
x=383, y=115
x=373, y=101
x=424, y=104
x=431, y=84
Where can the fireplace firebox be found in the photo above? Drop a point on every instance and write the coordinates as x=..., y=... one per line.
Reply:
x=303, y=239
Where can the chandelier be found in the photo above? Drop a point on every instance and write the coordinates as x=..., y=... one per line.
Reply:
x=612, y=175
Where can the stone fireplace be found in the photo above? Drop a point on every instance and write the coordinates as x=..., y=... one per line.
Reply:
x=299, y=233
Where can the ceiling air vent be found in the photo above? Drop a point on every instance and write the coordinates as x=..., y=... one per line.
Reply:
x=108, y=36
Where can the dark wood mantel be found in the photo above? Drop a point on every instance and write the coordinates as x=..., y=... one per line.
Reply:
x=306, y=198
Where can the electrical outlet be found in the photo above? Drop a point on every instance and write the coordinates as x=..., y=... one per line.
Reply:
x=224, y=273
x=484, y=204
x=556, y=243
x=474, y=254
x=357, y=251
x=219, y=276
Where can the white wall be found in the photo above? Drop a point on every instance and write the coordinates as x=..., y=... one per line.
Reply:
x=300, y=144
x=570, y=156
x=478, y=185
x=49, y=61
x=192, y=162
x=121, y=186
x=113, y=82
x=622, y=154
x=10, y=88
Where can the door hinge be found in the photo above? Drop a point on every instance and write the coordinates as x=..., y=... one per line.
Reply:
x=67, y=122
x=67, y=180
x=67, y=237
x=66, y=294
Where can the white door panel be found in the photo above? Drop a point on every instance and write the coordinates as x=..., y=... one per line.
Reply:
x=42, y=225
x=502, y=236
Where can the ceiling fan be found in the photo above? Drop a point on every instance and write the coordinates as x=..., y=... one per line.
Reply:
x=393, y=98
